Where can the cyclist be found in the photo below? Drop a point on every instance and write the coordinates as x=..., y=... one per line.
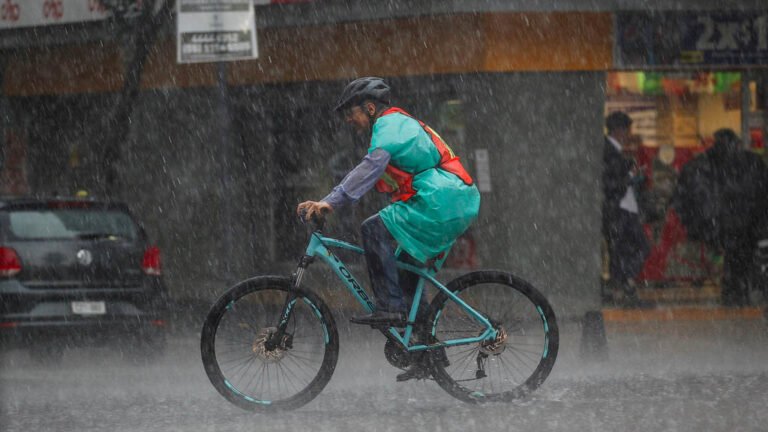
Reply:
x=434, y=199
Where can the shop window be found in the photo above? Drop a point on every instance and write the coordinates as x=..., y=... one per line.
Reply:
x=674, y=117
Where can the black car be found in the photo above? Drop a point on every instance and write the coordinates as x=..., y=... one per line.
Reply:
x=77, y=270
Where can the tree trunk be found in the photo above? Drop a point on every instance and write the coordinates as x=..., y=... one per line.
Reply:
x=142, y=34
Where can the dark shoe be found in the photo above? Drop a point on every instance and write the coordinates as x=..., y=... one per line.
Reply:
x=630, y=302
x=730, y=300
x=439, y=357
x=609, y=292
x=379, y=318
x=606, y=294
x=418, y=370
x=630, y=299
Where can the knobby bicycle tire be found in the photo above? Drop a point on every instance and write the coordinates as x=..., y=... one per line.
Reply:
x=526, y=355
x=232, y=345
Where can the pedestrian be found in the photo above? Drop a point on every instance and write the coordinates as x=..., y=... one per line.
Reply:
x=627, y=244
x=722, y=200
x=433, y=198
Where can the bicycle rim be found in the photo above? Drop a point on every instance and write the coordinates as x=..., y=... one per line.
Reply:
x=242, y=366
x=513, y=364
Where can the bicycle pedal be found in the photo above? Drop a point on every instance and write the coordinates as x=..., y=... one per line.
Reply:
x=417, y=373
x=378, y=320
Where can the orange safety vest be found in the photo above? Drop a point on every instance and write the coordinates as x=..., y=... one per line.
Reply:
x=399, y=183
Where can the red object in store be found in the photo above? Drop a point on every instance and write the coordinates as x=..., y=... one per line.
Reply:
x=683, y=155
x=645, y=157
x=756, y=139
x=675, y=87
x=673, y=233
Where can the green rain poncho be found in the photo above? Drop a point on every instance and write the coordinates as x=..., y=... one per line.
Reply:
x=443, y=207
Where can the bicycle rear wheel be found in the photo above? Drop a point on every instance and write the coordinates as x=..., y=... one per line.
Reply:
x=512, y=365
x=241, y=364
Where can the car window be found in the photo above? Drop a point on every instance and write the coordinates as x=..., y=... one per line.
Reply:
x=70, y=224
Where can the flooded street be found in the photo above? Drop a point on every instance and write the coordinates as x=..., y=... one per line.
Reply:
x=689, y=377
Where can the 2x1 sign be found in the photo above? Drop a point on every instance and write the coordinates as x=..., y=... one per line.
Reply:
x=216, y=30
x=691, y=38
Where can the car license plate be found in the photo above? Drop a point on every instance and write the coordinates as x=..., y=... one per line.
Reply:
x=89, y=307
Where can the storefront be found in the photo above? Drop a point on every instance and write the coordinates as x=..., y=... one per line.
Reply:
x=519, y=93
x=515, y=93
x=681, y=76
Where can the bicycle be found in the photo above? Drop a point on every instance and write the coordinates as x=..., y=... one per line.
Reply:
x=268, y=343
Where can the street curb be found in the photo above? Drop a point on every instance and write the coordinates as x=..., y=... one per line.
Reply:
x=594, y=343
x=681, y=313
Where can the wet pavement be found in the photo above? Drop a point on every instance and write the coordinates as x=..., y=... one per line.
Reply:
x=658, y=376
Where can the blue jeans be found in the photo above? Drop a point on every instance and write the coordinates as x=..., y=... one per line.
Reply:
x=394, y=289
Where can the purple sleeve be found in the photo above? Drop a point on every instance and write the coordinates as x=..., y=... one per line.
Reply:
x=360, y=180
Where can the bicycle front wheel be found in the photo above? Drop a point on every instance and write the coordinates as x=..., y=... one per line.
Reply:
x=508, y=367
x=247, y=367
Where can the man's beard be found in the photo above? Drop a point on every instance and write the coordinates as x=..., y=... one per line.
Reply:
x=364, y=133
x=363, y=137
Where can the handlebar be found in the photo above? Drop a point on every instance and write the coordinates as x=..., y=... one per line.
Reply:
x=315, y=223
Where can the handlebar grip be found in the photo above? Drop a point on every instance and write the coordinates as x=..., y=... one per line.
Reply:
x=317, y=223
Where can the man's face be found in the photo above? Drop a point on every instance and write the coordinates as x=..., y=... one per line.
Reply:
x=358, y=118
x=621, y=134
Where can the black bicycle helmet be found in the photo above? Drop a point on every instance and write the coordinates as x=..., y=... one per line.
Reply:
x=361, y=89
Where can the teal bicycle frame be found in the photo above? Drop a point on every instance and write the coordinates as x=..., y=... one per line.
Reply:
x=318, y=247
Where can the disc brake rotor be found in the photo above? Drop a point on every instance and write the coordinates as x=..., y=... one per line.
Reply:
x=259, y=346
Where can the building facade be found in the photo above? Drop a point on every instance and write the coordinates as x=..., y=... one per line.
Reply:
x=216, y=156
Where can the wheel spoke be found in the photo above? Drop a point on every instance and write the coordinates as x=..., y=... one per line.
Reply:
x=246, y=370
x=511, y=360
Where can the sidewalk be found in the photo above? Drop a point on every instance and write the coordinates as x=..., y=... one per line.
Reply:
x=681, y=313
x=680, y=303
x=659, y=311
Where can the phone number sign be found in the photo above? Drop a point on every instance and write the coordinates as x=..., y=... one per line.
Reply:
x=691, y=38
x=216, y=30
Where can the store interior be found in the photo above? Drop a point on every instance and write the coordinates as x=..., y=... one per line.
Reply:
x=675, y=115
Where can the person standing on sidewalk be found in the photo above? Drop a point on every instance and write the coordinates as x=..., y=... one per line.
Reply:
x=722, y=199
x=627, y=244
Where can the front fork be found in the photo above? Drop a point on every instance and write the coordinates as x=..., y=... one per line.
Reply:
x=279, y=336
x=298, y=275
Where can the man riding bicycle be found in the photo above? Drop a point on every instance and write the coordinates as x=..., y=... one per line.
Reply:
x=433, y=197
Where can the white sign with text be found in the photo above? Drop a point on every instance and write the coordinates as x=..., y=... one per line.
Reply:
x=216, y=30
